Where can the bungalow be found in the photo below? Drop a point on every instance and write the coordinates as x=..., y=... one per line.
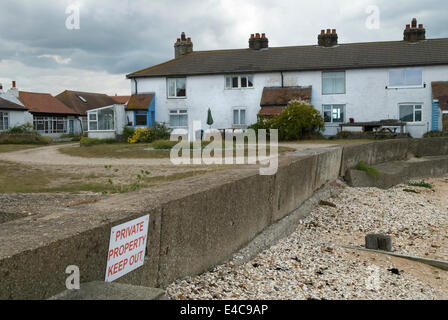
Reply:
x=81, y=102
x=12, y=112
x=360, y=82
x=50, y=116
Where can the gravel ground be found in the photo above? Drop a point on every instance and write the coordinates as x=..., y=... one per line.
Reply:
x=309, y=265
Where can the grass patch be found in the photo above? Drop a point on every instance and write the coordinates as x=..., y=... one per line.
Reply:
x=329, y=141
x=16, y=147
x=362, y=166
x=421, y=184
x=411, y=191
x=23, y=138
x=15, y=178
x=155, y=150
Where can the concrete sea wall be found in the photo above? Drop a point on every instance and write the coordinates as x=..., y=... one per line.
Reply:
x=194, y=225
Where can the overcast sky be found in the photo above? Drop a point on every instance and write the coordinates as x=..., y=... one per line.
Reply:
x=116, y=37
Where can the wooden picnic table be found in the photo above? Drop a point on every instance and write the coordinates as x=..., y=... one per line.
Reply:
x=383, y=126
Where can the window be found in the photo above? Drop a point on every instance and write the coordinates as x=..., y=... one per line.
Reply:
x=102, y=120
x=405, y=78
x=177, y=88
x=179, y=118
x=93, y=121
x=237, y=82
x=334, y=113
x=141, y=118
x=239, y=117
x=4, y=121
x=411, y=112
x=82, y=99
x=333, y=82
x=50, y=124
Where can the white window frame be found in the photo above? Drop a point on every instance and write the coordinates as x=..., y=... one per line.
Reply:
x=239, y=124
x=332, y=106
x=49, y=124
x=405, y=86
x=4, y=115
x=168, y=80
x=246, y=76
x=95, y=113
x=416, y=107
x=177, y=112
x=325, y=76
x=89, y=120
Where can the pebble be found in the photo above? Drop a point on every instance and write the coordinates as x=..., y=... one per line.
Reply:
x=308, y=264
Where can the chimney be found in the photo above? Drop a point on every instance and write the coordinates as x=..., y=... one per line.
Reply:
x=183, y=46
x=1, y=88
x=14, y=91
x=258, y=42
x=327, y=39
x=412, y=33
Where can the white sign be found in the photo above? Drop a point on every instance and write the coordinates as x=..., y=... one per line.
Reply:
x=127, y=248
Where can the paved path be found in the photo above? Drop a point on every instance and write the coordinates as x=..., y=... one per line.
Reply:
x=51, y=156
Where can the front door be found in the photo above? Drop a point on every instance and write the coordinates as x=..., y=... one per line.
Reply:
x=71, y=126
x=445, y=122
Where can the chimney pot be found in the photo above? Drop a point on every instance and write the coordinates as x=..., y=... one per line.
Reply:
x=263, y=35
x=414, y=34
x=252, y=36
x=182, y=36
x=322, y=32
x=328, y=31
x=257, y=35
x=13, y=84
x=333, y=31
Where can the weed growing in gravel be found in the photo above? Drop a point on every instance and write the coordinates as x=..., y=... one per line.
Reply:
x=136, y=185
x=411, y=191
x=362, y=166
x=421, y=184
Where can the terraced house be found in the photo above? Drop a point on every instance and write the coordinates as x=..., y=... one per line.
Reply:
x=354, y=82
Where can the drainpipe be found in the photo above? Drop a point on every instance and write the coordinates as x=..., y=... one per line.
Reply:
x=136, y=89
x=281, y=73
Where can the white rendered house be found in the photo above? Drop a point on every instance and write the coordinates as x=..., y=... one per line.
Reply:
x=358, y=82
x=12, y=111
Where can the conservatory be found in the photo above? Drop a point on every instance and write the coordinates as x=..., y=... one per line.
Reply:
x=106, y=122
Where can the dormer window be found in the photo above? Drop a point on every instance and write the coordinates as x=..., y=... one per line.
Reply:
x=239, y=82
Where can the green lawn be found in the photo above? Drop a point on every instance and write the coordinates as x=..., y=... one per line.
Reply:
x=125, y=150
x=329, y=141
x=19, y=178
x=16, y=147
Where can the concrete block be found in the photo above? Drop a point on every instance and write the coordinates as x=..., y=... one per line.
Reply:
x=205, y=229
x=294, y=183
x=379, y=242
x=98, y=290
x=328, y=166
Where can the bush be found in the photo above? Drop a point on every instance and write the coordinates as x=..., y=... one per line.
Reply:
x=148, y=135
x=160, y=132
x=88, y=142
x=298, y=121
x=128, y=132
x=23, y=138
x=26, y=128
x=435, y=134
